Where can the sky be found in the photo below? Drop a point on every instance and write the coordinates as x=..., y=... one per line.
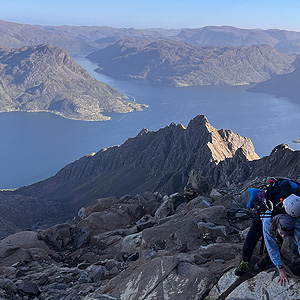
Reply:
x=264, y=14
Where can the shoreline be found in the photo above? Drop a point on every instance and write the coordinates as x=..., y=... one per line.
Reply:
x=105, y=118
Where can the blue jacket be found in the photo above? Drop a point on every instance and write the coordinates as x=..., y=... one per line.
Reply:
x=270, y=242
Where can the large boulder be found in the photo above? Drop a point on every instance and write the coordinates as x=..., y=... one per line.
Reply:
x=161, y=278
x=108, y=214
x=58, y=236
x=23, y=245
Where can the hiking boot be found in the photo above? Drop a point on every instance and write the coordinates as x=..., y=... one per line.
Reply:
x=242, y=268
x=257, y=268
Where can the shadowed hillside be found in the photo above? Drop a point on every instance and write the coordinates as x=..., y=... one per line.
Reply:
x=286, y=85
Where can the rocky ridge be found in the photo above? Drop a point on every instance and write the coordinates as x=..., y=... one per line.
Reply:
x=143, y=163
x=165, y=161
x=178, y=64
x=43, y=78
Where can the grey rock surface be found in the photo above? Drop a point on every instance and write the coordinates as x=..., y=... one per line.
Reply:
x=191, y=254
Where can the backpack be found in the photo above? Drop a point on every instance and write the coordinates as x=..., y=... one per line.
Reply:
x=271, y=196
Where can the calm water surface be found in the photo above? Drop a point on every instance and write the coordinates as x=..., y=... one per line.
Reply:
x=34, y=146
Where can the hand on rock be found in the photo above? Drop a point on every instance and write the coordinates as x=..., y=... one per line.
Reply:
x=283, y=277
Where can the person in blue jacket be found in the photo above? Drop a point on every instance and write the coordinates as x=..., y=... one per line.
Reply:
x=271, y=200
x=283, y=225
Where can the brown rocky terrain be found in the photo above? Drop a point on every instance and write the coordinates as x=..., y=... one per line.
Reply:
x=44, y=78
x=178, y=64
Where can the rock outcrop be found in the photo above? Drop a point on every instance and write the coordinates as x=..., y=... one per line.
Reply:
x=178, y=64
x=44, y=78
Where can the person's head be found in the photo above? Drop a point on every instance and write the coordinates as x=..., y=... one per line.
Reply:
x=285, y=224
x=291, y=205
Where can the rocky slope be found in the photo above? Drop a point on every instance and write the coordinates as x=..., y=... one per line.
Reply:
x=43, y=78
x=180, y=64
x=150, y=245
x=146, y=246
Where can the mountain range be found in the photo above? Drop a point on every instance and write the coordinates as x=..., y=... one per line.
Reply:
x=284, y=41
x=179, y=64
x=144, y=53
x=45, y=78
x=152, y=161
x=86, y=39
x=15, y=35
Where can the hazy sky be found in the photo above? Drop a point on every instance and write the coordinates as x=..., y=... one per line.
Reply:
x=155, y=13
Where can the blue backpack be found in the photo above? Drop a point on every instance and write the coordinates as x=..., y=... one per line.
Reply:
x=271, y=196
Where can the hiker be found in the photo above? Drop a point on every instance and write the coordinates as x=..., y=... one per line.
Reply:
x=254, y=234
x=264, y=202
x=282, y=225
x=274, y=230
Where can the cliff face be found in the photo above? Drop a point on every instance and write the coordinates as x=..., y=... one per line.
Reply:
x=43, y=78
x=179, y=64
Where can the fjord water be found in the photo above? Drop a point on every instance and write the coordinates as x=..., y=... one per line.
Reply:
x=34, y=146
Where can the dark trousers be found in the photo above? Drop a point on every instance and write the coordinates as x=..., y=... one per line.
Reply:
x=252, y=238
